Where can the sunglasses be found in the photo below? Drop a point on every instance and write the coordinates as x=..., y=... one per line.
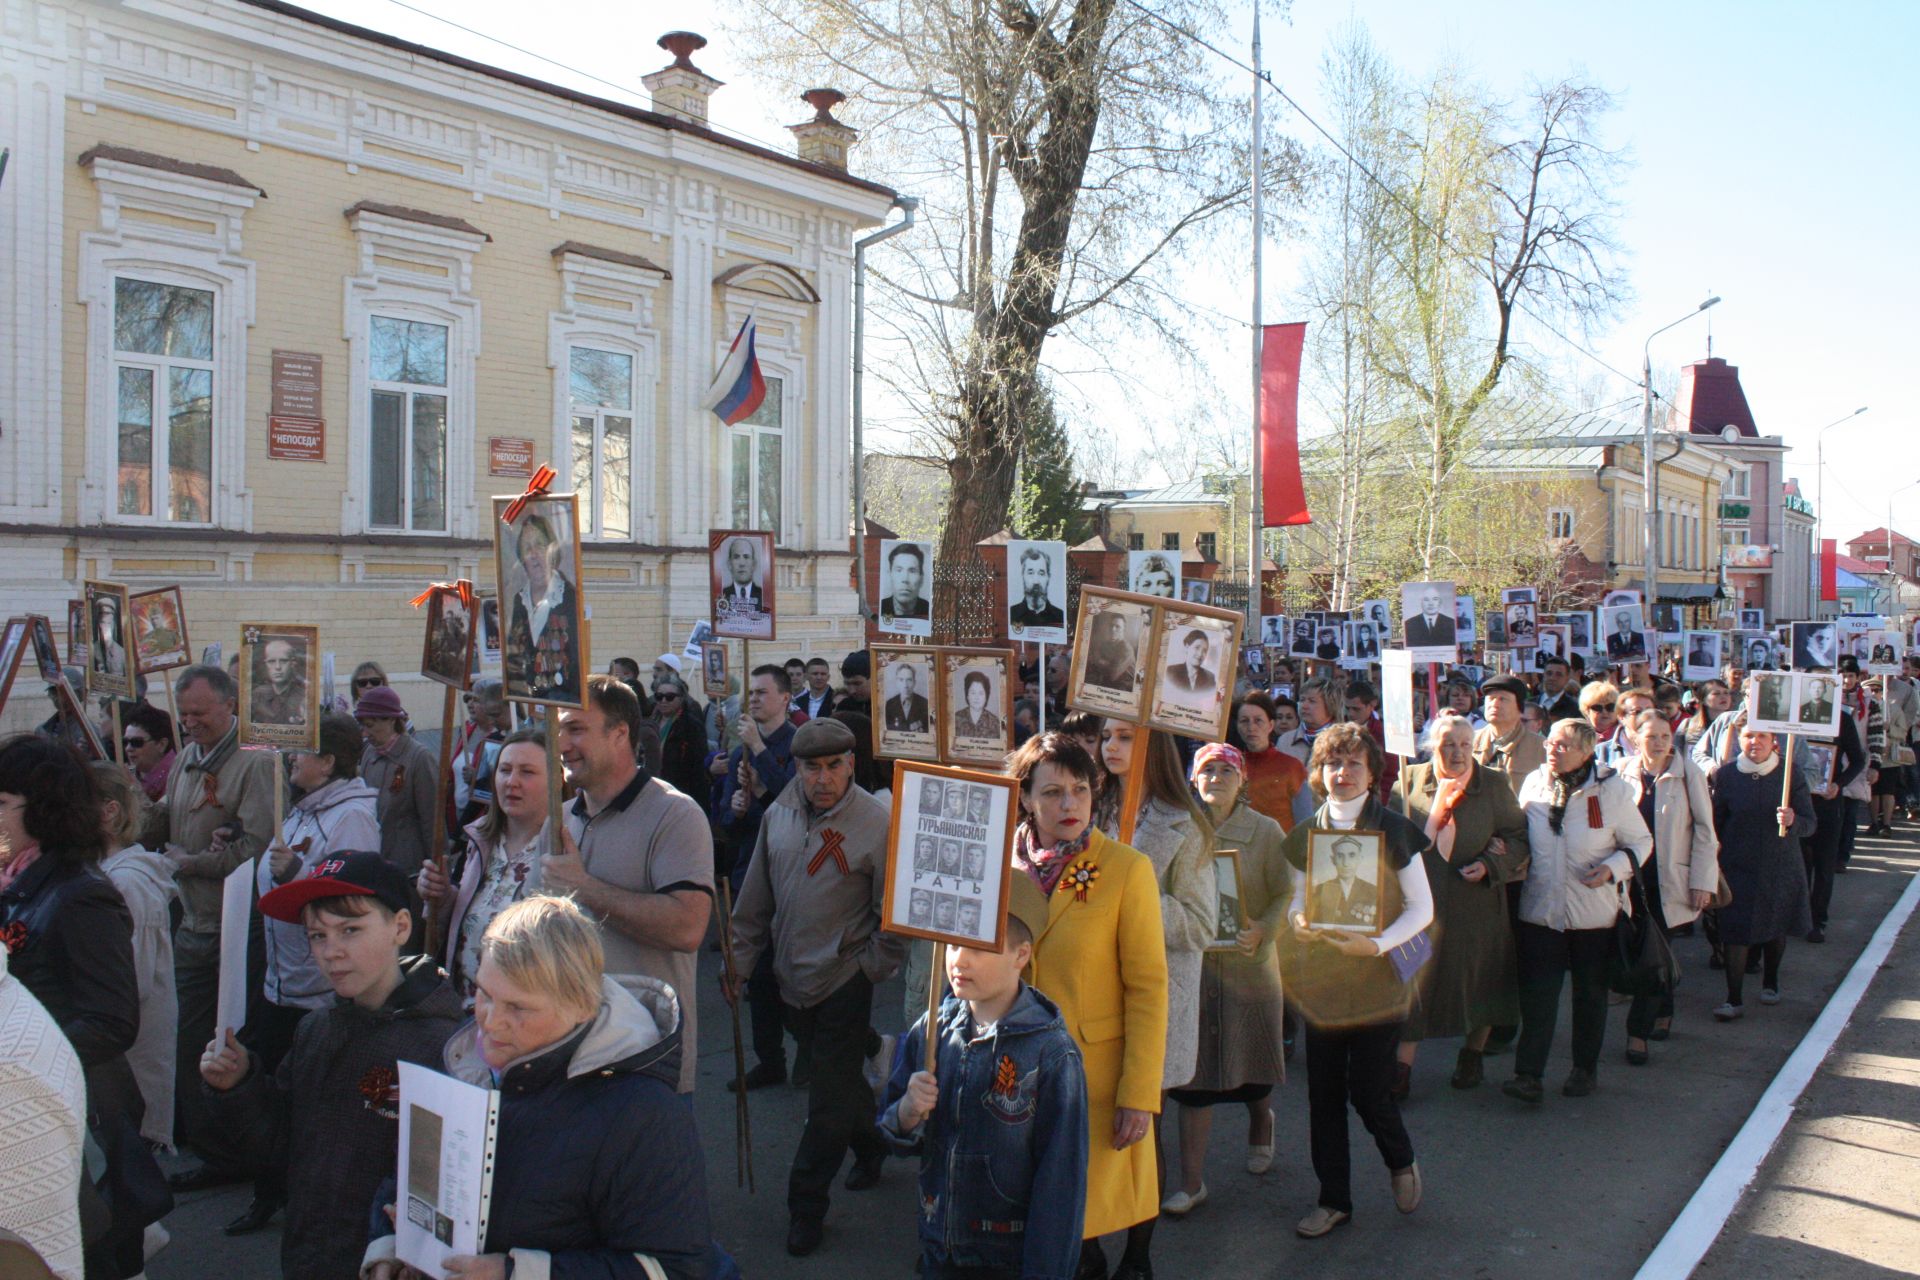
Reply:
x=666, y=697
x=368, y=682
x=1604, y=706
x=136, y=743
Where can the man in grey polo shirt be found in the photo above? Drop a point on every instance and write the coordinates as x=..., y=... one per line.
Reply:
x=638, y=856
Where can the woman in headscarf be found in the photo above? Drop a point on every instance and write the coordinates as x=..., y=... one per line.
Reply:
x=1764, y=869
x=1241, y=1040
x=1478, y=846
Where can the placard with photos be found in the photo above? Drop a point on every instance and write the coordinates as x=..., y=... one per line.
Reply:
x=1230, y=909
x=109, y=664
x=1819, y=760
x=1396, y=703
x=1192, y=671
x=1519, y=608
x=77, y=645
x=543, y=654
x=741, y=584
x=1113, y=642
x=950, y=855
x=906, y=680
x=159, y=630
x=1885, y=650
x=1700, y=655
x=976, y=688
x=1554, y=641
x=280, y=685
x=1799, y=702
x=446, y=652
x=13, y=647
x=713, y=668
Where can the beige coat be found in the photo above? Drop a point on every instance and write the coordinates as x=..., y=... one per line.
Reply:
x=1182, y=858
x=1683, y=835
x=1515, y=759
x=241, y=793
x=1242, y=1039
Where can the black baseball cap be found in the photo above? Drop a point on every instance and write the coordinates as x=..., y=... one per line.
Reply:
x=343, y=875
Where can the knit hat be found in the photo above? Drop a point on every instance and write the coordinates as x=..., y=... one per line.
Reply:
x=668, y=660
x=1507, y=684
x=822, y=737
x=379, y=702
x=855, y=664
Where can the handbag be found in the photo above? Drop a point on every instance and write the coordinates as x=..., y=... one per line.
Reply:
x=1640, y=960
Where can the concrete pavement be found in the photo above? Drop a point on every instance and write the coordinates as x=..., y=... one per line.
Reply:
x=1579, y=1188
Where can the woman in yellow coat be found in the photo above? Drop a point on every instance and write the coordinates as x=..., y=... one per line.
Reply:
x=1099, y=954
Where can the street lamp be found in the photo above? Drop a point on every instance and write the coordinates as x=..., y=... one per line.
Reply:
x=1820, y=473
x=1649, y=484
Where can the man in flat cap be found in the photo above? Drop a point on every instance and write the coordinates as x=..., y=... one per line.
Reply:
x=1506, y=746
x=813, y=894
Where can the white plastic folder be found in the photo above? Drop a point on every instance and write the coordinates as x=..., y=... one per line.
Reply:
x=447, y=1134
x=236, y=911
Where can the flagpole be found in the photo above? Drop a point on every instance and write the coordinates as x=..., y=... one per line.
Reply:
x=1257, y=533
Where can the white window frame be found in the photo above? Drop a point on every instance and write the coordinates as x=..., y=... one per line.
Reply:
x=408, y=391
x=171, y=229
x=609, y=306
x=781, y=344
x=1739, y=483
x=411, y=270
x=752, y=432
x=592, y=498
x=1560, y=522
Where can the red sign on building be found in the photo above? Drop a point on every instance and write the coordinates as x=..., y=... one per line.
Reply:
x=509, y=456
x=297, y=439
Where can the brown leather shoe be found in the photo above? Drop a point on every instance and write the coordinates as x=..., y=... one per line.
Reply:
x=1320, y=1222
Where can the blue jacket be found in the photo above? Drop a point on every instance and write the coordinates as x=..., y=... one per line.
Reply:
x=1003, y=1168
x=773, y=769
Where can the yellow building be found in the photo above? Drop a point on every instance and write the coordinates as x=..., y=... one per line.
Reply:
x=285, y=301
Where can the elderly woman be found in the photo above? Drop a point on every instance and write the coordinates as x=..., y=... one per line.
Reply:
x=597, y=1168
x=1101, y=956
x=1241, y=1054
x=1684, y=868
x=502, y=861
x=543, y=635
x=974, y=720
x=402, y=773
x=1763, y=868
x=1586, y=838
x=1275, y=781
x=1478, y=845
x=1346, y=989
x=1599, y=706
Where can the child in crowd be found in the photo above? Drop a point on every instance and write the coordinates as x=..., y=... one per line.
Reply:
x=329, y=1114
x=1000, y=1128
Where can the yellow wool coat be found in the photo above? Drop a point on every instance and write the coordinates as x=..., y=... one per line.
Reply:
x=1103, y=961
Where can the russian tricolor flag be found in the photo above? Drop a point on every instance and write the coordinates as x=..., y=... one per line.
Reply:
x=738, y=389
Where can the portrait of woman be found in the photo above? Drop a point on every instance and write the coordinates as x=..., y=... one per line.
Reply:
x=539, y=565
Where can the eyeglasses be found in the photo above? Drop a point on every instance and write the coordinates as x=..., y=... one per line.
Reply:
x=666, y=697
x=136, y=743
x=368, y=682
x=1604, y=706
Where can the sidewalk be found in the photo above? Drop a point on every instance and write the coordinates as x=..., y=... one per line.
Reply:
x=1839, y=1196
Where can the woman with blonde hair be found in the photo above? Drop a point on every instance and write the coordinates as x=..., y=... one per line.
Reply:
x=596, y=1158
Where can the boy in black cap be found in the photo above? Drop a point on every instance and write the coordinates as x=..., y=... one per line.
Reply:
x=329, y=1113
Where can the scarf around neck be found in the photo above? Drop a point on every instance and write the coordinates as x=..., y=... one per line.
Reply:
x=1045, y=865
x=1564, y=785
x=1748, y=767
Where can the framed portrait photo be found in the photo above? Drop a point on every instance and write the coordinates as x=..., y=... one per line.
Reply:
x=1553, y=642
x=446, y=654
x=13, y=647
x=1194, y=653
x=543, y=652
x=1113, y=641
x=1345, y=870
x=1770, y=701
x=1428, y=623
x=949, y=855
x=906, y=680
x=491, y=637
x=1154, y=573
x=1197, y=590
x=1815, y=644
x=1818, y=762
x=977, y=689
x=1579, y=627
x=109, y=663
x=1700, y=655
x=40, y=635
x=713, y=668
x=740, y=580
x=1752, y=651
x=906, y=585
x=77, y=632
x=1302, y=637
x=1037, y=591
x=1466, y=620
x=1380, y=614
x=1230, y=911
x=1753, y=620
x=1623, y=598
x=1885, y=650
x=159, y=631
x=1273, y=630
x=1816, y=704
x=1625, y=628
x=1363, y=642
x=280, y=685
x=1396, y=703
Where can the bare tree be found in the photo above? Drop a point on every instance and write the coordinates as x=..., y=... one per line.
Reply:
x=1066, y=154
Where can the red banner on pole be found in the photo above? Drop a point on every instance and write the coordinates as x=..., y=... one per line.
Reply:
x=1829, y=570
x=1283, y=499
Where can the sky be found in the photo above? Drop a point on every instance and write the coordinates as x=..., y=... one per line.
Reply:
x=1771, y=152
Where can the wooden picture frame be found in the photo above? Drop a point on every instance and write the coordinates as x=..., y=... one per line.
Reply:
x=446, y=650
x=13, y=648
x=45, y=655
x=281, y=712
x=549, y=668
x=1188, y=695
x=1771, y=701
x=77, y=646
x=1822, y=760
x=1355, y=907
x=159, y=630
x=964, y=740
x=713, y=668
x=1111, y=672
x=742, y=609
x=110, y=658
x=947, y=824
x=1230, y=908
x=906, y=721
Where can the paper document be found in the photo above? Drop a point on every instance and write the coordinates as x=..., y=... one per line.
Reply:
x=447, y=1132
x=236, y=912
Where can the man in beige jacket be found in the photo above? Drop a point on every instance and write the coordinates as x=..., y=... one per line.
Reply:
x=1506, y=745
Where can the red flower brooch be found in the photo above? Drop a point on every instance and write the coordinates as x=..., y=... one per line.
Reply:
x=14, y=936
x=380, y=1089
x=1080, y=877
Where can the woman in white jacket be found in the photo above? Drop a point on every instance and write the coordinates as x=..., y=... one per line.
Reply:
x=1586, y=837
x=1683, y=870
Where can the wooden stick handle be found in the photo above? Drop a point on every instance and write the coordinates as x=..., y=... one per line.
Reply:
x=1786, y=780
x=742, y=1123
x=119, y=747
x=436, y=920
x=279, y=796
x=1136, y=783
x=936, y=980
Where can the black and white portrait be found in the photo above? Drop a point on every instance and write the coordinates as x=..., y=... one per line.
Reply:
x=1753, y=620
x=1273, y=629
x=109, y=663
x=906, y=683
x=279, y=692
x=1626, y=639
x=1229, y=914
x=1193, y=688
x=1154, y=573
x=1818, y=708
x=1579, y=627
x=1466, y=620
x=1816, y=646
x=740, y=573
x=906, y=581
x=1302, y=642
x=1552, y=644
x=979, y=706
x=1327, y=646
x=1380, y=614
x=947, y=859
x=1037, y=591
x=1700, y=655
x=1344, y=872
x=1430, y=627
x=1106, y=677
x=1623, y=598
x=1196, y=590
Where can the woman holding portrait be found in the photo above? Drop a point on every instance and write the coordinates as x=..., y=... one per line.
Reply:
x=1478, y=846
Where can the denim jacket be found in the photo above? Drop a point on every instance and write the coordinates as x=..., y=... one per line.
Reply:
x=1003, y=1169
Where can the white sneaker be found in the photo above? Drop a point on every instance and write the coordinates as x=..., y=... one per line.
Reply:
x=153, y=1240
x=1260, y=1157
x=1769, y=996
x=1180, y=1203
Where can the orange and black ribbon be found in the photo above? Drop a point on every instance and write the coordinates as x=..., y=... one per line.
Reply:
x=832, y=845
x=460, y=587
x=536, y=488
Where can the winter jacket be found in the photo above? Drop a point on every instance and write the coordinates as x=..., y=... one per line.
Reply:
x=71, y=940
x=1871, y=725
x=597, y=1167
x=43, y=1115
x=683, y=756
x=1003, y=1178
x=773, y=769
x=813, y=895
x=146, y=885
x=405, y=777
x=329, y=1113
x=225, y=788
x=1683, y=836
x=473, y=873
x=1182, y=857
x=1602, y=824
x=330, y=820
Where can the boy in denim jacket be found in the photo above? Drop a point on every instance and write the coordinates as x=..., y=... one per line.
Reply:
x=1001, y=1128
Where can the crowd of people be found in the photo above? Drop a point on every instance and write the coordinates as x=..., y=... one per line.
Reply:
x=557, y=961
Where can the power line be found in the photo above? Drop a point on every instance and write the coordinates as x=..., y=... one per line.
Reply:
x=1267, y=79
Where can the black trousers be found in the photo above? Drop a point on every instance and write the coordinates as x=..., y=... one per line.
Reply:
x=1850, y=812
x=766, y=1013
x=840, y=1110
x=1647, y=1010
x=1353, y=1065
x=269, y=1033
x=1546, y=957
x=196, y=984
